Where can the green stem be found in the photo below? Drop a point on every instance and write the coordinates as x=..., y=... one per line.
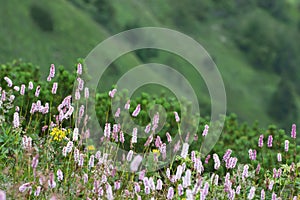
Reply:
x=67, y=172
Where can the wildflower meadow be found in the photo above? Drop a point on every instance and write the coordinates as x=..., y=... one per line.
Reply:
x=48, y=151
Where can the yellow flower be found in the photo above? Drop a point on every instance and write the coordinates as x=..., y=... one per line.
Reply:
x=58, y=134
x=156, y=151
x=91, y=147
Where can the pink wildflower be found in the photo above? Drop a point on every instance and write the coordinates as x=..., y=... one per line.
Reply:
x=51, y=181
x=195, y=137
x=127, y=105
x=148, y=128
x=17, y=88
x=80, y=83
x=107, y=130
x=35, y=161
x=86, y=93
x=151, y=184
x=26, y=142
x=3, y=96
x=30, y=85
x=112, y=93
x=37, y=91
x=12, y=98
x=64, y=151
x=293, y=132
x=37, y=191
x=257, y=170
x=75, y=134
x=91, y=161
x=54, y=88
x=81, y=111
x=136, y=111
x=251, y=193
x=149, y=140
x=205, y=131
x=8, y=80
x=159, y=184
x=178, y=172
x=205, y=190
x=76, y=155
x=147, y=190
x=109, y=193
x=117, y=114
x=262, y=194
x=207, y=158
x=142, y=174
x=232, y=162
x=81, y=160
x=136, y=163
x=270, y=140
x=186, y=180
x=271, y=184
x=170, y=193
x=158, y=142
x=129, y=156
x=16, y=121
x=216, y=181
x=79, y=69
x=198, y=165
x=134, y=136
x=122, y=139
x=180, y=190
x=22, y=91
x=176, y=146
x=52, y=71
x=231, y=194
x=77, y=94
x=286, y=145
x=238, y=189
x=117, y=185
x=2, y=195
x=69, y=146
x=60, y=175
x=137, y=187
x=227, y=154
x=163, y=150
x=261, y=141
x=85, y=178
x=185, y=150
x=252, y=154
x=25, y=187
x=177, y=119
x=193, y=156
x=169, y=138
x=217, y=161
x=245, y=172
x=274, y=196
x=279, y=158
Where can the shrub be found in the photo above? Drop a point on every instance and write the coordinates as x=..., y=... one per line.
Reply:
x=283, y=106
x=259, y=44
x=42, y=18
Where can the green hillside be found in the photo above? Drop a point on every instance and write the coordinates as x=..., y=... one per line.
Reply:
x=71, y=34
x=70, y=29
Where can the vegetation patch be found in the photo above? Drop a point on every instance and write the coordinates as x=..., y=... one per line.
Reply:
x=42, y=18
